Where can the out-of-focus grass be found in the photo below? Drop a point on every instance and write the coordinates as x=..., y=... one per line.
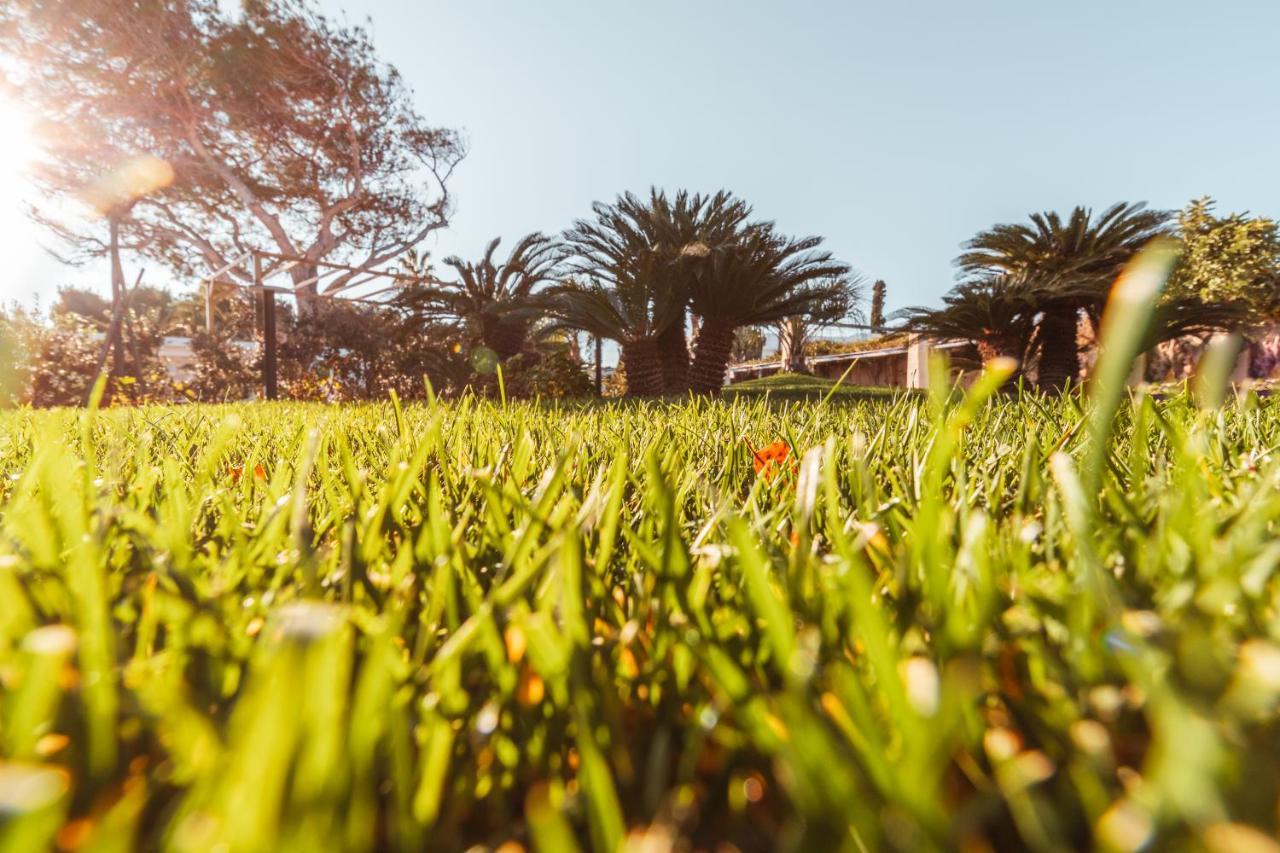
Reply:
x=958, y=620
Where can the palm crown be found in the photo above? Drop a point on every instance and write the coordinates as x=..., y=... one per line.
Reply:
x=497, y=302
x=1077, y=258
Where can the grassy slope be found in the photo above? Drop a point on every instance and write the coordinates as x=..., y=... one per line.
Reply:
x=801, y=386
x=477, y=623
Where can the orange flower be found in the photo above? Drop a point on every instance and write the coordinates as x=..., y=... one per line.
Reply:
x=771, y=459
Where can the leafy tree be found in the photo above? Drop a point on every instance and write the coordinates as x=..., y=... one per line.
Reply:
x=643, y=262
x=64, y=363
x=689, y=229
x=224, y=368
x=352, y=351
x=137, y=324
x=1228, y=258
x=760, y=277
x=19, y=335
x=1081, y=256
x=621, y=313
x=279, y=129
x=497, y=303
x=645, y=252
x=552, y=374
x=748, y=344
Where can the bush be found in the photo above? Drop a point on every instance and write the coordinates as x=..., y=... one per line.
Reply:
x=551, y=375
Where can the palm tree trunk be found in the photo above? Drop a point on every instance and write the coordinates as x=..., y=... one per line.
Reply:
x=711, y=356
x=1059, y=351
x=996, y=346
x=643, y=366
x=791, y=341
x=673, y=350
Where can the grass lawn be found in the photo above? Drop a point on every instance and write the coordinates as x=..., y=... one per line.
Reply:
x=937, y=624
x=800, y=386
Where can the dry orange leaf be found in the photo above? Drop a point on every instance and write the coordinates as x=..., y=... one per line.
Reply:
x=237, y=470
x=772, y=459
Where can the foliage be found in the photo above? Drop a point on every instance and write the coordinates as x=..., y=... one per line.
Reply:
x=1070, y=263
x=346, y=351
x=64, y=363
x=804, y=386
x=1234, y=258
x=642, y=263
x=996, y=312
x=225, y=369
x=269, y=125
x=497, y=303
x=615, y=381
x=796, y=332
x=829, y=347
x=629, y=280
x=760, y=276
x=19, y=335
x=553, y=374
x=748, y=344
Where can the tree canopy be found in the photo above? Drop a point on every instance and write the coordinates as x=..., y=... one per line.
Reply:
x=280, y=129
x=1228, y=258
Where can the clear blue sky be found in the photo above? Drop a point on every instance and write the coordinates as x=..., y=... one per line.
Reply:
x=894, y=129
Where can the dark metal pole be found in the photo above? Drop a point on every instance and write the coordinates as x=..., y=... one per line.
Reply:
x=599, y=366
x=268, y=332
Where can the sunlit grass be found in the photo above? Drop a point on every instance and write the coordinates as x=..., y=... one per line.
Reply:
x=473, y=622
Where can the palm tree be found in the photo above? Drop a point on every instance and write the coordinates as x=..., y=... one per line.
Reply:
x=625, y=289
x=685, y=231
x=759, y=277
x=497, y=303
x=638, y=256
x=1081, y=255
x=996, y=313
x=1183, y=315
x=796, y=332
x=624, y=314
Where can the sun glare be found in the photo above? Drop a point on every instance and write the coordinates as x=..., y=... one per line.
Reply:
x=17, y=149
x=19, y=240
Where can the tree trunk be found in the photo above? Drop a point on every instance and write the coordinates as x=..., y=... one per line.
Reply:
x=1059, y=351
x=673, y=352
x=791, y=341
x=116, y=333
x=305, y=288
x=644, y=368
x=711, y=356
x=995, y=346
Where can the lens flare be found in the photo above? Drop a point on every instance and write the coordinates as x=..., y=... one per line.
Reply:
x=128, y=182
